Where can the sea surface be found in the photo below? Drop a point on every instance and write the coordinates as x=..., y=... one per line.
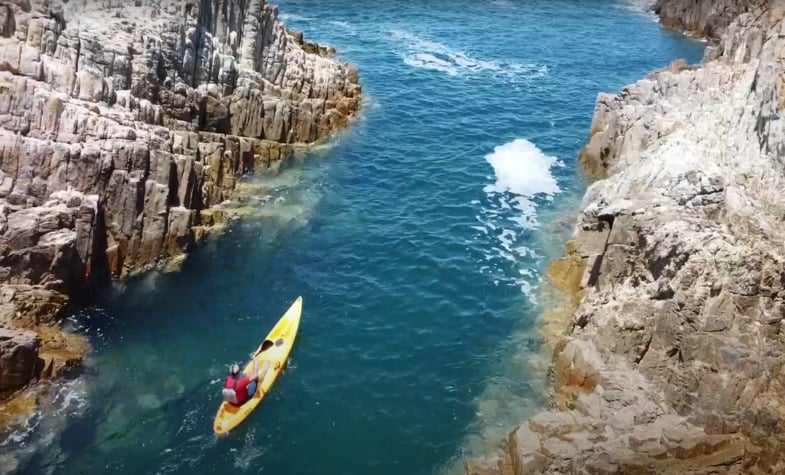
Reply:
x=418, y=239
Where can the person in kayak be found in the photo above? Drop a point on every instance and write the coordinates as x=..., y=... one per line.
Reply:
x=239, y=388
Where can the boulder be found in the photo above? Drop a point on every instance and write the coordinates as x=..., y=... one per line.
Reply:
x=18, y=358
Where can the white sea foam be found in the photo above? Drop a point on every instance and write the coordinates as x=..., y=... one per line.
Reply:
x=522, y=178
x=522, y=171
x=429, y=61
x=344, y=25
x=244, y=459
x=503, y=3
x=187, y=452
x=288, y=17
x=70, y=398
x=420, y=52
x=639, y=6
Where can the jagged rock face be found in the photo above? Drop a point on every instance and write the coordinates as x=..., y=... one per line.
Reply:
x=708, y=18
x=224, y=66
x=676, y=358
x=156, y=107
x=51, y=244
x=18, y=358
x=122, y=123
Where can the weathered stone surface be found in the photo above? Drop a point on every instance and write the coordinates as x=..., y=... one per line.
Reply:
x=673, y=362
x=216, y=88
x=51, y=244
x=60, y=352
x=123, y=124
x=18, y=358
x=488, y=466
x=28, y=306
x=526, y=451
x=703, y=18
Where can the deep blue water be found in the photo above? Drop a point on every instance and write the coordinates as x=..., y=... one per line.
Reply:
x=417, y=239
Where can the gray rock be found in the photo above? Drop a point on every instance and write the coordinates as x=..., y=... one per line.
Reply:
x=675, y=361
x=122, y=122
x=18, y=358
x=211, y=93
x=707, y=19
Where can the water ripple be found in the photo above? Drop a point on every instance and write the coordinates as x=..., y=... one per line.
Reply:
x=421, y=52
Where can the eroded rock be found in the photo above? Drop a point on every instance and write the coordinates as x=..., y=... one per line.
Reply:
x=18, y=358
x=122, y=124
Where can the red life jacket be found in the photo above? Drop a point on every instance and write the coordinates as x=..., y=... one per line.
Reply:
x=240, y=387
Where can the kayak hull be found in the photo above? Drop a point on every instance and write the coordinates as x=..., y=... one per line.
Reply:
x=268, y=360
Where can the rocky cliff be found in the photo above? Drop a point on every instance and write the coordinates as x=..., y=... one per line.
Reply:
x=124, y=123
x=702, y=18
x=674, y=357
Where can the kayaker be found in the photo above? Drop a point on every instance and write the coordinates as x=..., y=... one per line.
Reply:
x=239, y=388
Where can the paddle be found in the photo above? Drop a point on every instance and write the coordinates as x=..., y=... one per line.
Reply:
x=256, y=366
x=266, y=344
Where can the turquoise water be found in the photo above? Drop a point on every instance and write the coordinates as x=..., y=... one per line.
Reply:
x=417, y=239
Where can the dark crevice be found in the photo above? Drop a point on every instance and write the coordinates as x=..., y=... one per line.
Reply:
x=604, y=222
x=99, y=274
x=606, y=219
x=642, y=354
x=172, y=199
x=78, y=49
x=594, y=272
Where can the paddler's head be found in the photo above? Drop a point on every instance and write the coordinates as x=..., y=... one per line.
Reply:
x=235, y=369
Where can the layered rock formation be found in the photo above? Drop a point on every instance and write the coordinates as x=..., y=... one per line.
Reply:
x=18, y=357
x=702, y=18
x=123, y=122
x=674, y=358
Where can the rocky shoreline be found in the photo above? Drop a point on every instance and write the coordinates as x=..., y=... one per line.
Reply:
x=124, y=127
x=673, y=358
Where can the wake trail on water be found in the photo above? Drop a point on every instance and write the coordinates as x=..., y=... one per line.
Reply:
x=424, y=53
x=289, y=18
x=420, y=52
x=293, y=17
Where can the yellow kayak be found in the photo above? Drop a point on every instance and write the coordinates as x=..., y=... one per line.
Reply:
x=268, y=360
